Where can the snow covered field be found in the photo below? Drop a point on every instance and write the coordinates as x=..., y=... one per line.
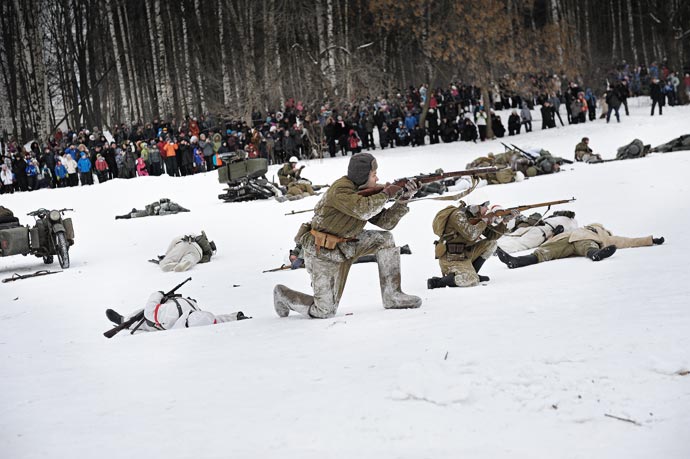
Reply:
x=526, y=366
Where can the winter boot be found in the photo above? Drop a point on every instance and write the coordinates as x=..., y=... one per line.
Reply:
x=440, y=282
x=114, y=316
x=405, y=250
x=389, y=278
x=516, y=262
x=598, y=255
x=286, y=300
x=658, y=240
x=477, y=265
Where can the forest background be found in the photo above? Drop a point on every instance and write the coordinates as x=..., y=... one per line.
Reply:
x=100, y=63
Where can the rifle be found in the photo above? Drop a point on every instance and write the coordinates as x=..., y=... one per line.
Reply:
x=15, y=276
x=281, y=268
x=520, y=208
x=605, y=161
x=533, y=158
x=293, y=212
x=428, y=179
x=524, y=153
x=139, y=317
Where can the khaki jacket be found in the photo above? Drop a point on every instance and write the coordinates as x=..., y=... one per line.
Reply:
x=342, y=212
x=597, y=232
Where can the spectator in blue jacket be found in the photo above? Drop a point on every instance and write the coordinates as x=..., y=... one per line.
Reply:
x=84, y=168
x=60, y=174
x=410, y=122
x=72, y=151
x=31, y=174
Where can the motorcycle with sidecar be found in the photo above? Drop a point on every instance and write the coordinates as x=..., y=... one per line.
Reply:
x=52, y=235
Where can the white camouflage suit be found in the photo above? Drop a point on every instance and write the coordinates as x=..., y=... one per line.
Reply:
x=178, y=312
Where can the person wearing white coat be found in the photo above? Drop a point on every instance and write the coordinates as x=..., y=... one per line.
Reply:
x=531, y=236
x=174, y=313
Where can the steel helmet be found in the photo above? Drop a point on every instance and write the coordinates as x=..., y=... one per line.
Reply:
x=293, y=159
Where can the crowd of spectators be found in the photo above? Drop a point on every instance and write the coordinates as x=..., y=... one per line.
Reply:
x=198, y=144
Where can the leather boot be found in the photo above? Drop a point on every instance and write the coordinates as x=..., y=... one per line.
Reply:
x=286, y=300
x=598, y=255
x=477, y=265
x=440, y=282
x=389, y=278
x=516, y=262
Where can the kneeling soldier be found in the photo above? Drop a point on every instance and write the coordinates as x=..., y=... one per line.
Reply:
x=336, y=238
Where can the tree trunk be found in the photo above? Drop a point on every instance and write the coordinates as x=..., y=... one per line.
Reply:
x=118, y=61
x=631, y=31
x=643, y=42
x=155, y=107
x=330, y=43
x=555, y=8
x=588, y=37
x=227, y=86
x=619, y=24
x=187, y=78
x=198, y=64
x=613, y=31
x=164, y=81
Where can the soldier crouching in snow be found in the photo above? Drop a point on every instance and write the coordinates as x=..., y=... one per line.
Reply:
x=336, y=238
x=592, y=241
x=468, y=236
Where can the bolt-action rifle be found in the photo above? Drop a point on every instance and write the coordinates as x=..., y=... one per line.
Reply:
x=139, y=316
x=428, y=178
x=42, y=272
x=521, y=208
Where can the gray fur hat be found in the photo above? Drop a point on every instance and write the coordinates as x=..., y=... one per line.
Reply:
x=360, y=166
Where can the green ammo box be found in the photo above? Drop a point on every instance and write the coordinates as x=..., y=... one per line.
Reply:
x=250, y=168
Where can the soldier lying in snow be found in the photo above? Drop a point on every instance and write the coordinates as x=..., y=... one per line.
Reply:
x=592, y=241
x=175, y=312
x=164, y=206
x=677, y=144
x=530, y=232
x=186, y=251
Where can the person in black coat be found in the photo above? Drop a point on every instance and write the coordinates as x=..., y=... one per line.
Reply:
x=656, y=95
x=514, y=123
x=614, y=103
x=497, y=125
x=548, y=119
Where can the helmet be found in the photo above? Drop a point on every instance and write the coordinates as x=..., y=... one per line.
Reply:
x=293, y=159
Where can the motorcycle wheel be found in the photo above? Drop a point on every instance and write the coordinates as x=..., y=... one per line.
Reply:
x=48, y=259
x=62, y=249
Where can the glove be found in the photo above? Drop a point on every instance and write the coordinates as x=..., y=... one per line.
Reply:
x=658, y=240
x=408, y=191
x=392, y=190
x=558, y=230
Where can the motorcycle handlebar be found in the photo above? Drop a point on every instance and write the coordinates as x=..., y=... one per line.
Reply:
x=43, y=211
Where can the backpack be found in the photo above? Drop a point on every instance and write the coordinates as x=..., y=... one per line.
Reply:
x=207, y=247
x=441, y=220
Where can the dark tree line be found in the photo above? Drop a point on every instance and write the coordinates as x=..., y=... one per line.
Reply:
x=101, y=62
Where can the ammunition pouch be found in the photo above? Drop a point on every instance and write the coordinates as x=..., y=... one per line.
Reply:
x=329, y=241
x=455, y=248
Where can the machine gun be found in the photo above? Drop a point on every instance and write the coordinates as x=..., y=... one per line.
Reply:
x=139, y=316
